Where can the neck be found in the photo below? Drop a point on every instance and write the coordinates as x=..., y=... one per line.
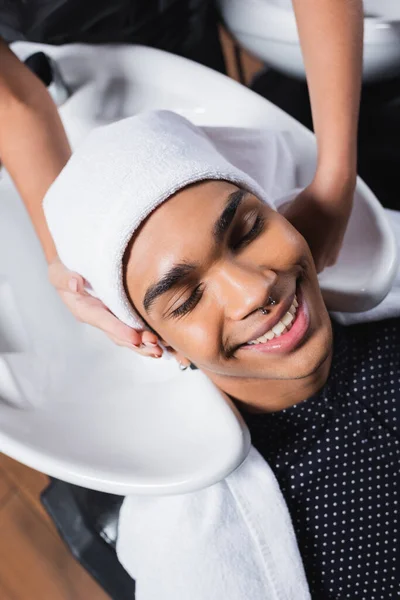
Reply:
x=270, y=395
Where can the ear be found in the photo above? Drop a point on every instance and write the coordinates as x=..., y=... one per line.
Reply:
x=179, y=357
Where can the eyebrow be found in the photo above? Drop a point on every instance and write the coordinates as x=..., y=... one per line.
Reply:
x=175, y=275
x=226, y=217
x=180, y=272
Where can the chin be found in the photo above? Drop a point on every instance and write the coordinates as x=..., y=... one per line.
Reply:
x=315, y=349
x=312, y=356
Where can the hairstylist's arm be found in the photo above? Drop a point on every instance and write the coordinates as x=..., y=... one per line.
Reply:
x=331, y=35
x=34, y=148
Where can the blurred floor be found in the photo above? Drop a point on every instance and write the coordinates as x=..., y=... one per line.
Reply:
x=34, y=562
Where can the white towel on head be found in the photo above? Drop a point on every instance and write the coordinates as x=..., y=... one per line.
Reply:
x=114, y=180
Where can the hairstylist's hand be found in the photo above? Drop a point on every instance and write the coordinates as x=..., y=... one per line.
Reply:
x=92, y=311
x=321, y=214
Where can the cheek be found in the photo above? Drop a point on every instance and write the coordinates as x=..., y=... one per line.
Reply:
x=294, y=250
x=280, y=247
x=196, y=339
x=292, y=246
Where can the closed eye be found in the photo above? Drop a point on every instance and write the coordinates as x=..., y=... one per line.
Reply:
x=190, y=303
x=256, y=229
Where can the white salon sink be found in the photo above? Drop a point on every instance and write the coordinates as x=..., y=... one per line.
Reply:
x=267, y=28
x=74, y=405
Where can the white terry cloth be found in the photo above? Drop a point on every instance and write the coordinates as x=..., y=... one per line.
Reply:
x=114, y=180
x=231, y=541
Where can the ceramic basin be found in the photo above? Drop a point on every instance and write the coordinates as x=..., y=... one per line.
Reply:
x=267, y=28
x=74, y=405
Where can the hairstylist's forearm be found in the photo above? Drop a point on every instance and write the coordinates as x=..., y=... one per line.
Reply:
x=331, y=35
x=33, y=144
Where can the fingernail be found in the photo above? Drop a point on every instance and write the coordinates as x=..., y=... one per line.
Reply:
x=139, y=345
x=156, y=355
x=73, y=285
x=150, y=344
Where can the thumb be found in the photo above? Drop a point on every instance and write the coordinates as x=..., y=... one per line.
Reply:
x=64, y=279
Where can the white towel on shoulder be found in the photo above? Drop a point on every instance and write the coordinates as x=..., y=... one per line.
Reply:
x=231, y=541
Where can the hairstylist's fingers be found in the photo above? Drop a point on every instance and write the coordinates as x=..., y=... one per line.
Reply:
x=145, y=344
x=124, y=343
x=149, y=339
x=85, y=307
x=142, y=350
x=90, y=310
x=93, y=312
x=150, y=346
x=64, y=279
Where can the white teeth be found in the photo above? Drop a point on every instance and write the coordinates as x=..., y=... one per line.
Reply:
x=281, y=327
x=278, y=328
x=287, y=319
x=262, y=339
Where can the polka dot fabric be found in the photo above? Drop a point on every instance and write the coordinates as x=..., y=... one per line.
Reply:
x=336, y=457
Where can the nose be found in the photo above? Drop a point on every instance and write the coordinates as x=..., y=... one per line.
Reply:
x=242, y=289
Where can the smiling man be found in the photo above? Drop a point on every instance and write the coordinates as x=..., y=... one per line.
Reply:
x=177, y=240
x=235, y=293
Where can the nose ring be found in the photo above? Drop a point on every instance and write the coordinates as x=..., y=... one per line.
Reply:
x=271, y=302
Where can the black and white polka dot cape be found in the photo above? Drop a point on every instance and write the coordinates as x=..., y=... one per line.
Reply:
x=337, y=459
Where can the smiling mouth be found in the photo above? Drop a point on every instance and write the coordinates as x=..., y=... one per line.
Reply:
x=287, y=333
x=281, y=327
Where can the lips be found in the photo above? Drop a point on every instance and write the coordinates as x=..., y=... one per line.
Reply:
x=283, y=325
x=273, y=321
x=287, y=338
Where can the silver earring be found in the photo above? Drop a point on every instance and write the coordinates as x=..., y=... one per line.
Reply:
x=263, y=310
x=183, y=367
x=271, y=301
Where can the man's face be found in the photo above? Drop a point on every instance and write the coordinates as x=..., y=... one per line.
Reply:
x=205, y=262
